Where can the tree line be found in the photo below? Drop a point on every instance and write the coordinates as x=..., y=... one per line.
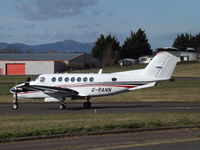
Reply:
x=109, y=51
x=186, y=40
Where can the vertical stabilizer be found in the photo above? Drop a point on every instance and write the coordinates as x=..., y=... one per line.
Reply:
x=162, y=65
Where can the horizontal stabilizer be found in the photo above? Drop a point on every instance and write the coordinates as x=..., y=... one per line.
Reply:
x=143, y=86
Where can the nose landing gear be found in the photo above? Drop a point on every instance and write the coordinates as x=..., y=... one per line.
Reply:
x=15, y=106
x=15, y=102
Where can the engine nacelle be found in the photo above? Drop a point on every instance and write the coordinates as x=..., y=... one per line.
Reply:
x=51, y=99
x=77, y=97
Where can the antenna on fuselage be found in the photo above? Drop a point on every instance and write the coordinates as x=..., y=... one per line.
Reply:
x=100, y=71
x=27, y=81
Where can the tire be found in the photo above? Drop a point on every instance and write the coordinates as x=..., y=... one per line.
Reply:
x=87, y=105
x=62, y=106
x=15, y=106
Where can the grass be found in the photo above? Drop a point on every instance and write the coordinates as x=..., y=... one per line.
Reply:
x=187, y=70
x=33, y=125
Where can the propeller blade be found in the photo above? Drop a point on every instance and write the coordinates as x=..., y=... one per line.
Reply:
x=27, y=81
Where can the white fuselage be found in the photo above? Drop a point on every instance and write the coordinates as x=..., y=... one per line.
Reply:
x=86, y=84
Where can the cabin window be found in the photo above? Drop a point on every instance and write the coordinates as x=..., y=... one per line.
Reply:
x=60, y=79
x=114, y=79
x=85, y=79
x=53, y=79
x=79, y=79
x=91, y=79
x=143, y=59
x=66, y=79
x=72, y=79
x=42, y=79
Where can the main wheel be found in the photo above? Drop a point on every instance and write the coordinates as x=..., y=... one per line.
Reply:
x=15, y=106
x=87, y=105
x=62, y=106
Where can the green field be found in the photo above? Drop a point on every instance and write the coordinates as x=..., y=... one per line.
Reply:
x=33, y=125
x=187, y=70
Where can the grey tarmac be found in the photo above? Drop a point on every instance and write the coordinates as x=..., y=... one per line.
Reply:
x=184, y=139
x=106, y=107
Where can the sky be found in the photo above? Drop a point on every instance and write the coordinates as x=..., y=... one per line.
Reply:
x=46, y=21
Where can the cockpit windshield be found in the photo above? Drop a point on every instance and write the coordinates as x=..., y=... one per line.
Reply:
x=37, y=79
x=42, y=79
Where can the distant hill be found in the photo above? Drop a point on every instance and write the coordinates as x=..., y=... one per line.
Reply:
x=61, y=46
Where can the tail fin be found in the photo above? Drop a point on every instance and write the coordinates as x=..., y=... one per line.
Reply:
x=162, y=65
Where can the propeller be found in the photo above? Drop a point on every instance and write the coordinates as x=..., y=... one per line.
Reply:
x=15, y=102
x=27, y=81
x=16, y=90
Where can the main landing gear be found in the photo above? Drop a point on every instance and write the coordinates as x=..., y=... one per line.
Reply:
x=87, y=104
x=62, y=104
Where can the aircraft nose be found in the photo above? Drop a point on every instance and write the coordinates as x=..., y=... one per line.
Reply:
x=13, y=90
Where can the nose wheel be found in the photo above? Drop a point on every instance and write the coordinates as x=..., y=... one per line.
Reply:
x=15, y=102
x=15, y=106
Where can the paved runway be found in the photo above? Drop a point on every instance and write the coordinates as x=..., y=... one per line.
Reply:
x=133, y=107
x=184, y=139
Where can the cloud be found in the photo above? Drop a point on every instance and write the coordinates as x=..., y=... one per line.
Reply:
x=166, y=36
x=82, y=26
x=31, y=26
x=48, y=9
x=6, y=28
x=1, y=27
x=162, y=40
x=97, y=12
x=7, y=35
x=110, y=13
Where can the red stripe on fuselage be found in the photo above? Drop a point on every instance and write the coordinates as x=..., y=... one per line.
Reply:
x=81, y=85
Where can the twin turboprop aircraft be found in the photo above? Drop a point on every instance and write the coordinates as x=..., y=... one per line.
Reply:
x=56, y=87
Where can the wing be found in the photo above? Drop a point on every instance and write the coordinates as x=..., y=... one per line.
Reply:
x=52, y=91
